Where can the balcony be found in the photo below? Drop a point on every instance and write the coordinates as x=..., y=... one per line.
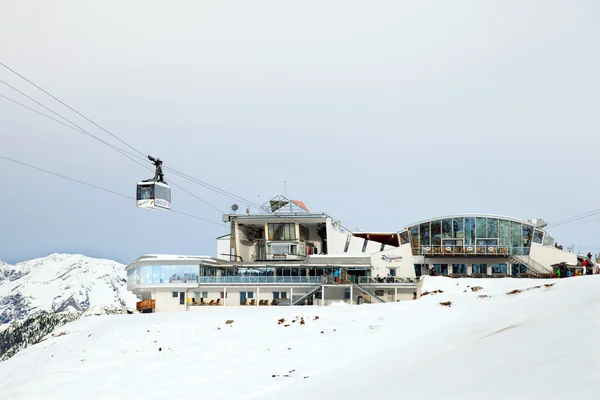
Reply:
x=145, y=305
x=294, y=280
x=468, y=250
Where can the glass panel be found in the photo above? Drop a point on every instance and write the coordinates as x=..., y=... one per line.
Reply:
x=282, y=231
x=447, y=228
x=480, y=269
x=492, y=227
x=470, y=231
x=498, y=268
x=548, y=240
x=538, y=236
x=481, y=227
x=515, y=233
x=459, y=232
x=527, y=235
x=459, y=269
x=403, y=237
x=161, y=192
x=436, y=233
x=414, y=237
x=504, y=228
x=425, y=235
x=417, y=270
x=145, y=192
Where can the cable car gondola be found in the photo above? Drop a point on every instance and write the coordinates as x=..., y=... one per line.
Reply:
x=154, y=194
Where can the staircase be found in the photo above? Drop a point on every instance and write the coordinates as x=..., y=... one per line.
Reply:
x=367, y=289
x=302, y=297
x=534, y=268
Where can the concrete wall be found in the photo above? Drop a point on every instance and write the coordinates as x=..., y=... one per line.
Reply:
x=165, y=302
x=548, y=256
x=400, y=258
x=223, y=247
x=337, y=236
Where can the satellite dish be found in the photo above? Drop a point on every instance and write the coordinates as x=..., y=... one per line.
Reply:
x=234, y=207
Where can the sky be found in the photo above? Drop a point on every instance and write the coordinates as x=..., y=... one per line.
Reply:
x=379, y=113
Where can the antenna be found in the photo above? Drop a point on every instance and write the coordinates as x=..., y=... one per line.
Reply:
x=234, y=207
x=284, y=188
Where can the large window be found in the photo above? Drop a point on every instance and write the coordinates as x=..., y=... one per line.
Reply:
x=499, y=269
x=515, y=233
x=459, y=269
x=481, y=227
x=145, y=192
x=441, y=268
x=538, y=236
x=504, y=228
x=436, y=233
x=480, y=269
x=152, y=274
x=282, y=248
x=418, y=270
x=425, y=235
x=161, y=192
x=304, y=232
x=414, y=237
x=469, y=231
x=447, y=228
x=404, y=237
x=282, y=231
x=527, y=235
x=459, y=232
x=492, y=228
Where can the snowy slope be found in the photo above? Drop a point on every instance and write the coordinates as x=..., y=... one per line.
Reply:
x=537, y=344
x=60, y=282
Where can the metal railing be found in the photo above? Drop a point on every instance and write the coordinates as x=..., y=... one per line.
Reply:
x=471, y=250
x=260, y=279
x=369, y=291
x=533, y=267
x=386, y=280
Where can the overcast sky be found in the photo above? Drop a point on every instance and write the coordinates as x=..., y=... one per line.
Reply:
x=380, y=113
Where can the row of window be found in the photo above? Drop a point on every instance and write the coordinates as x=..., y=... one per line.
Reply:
x=243, y=295
x=461, y=269
x=153, y=274
x=162, y=274
x=469, y=231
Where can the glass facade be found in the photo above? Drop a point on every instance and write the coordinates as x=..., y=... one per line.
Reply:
x=474, y=235
x=151, y=274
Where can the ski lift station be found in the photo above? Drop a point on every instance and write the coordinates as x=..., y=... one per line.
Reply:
x=286, y=255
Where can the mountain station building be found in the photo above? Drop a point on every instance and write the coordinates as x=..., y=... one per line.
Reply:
x=286, y=255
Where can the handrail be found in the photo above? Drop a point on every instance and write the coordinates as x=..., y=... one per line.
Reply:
x=260, y=279
x=386, y=280
x=364, y=290
x=471, y=250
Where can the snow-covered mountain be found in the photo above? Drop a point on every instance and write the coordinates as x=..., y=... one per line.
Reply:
x=61, y=282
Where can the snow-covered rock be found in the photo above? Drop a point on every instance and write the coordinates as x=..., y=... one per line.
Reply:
x=61, y=282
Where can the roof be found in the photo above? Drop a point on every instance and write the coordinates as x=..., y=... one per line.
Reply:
x=224, y=236
x=519, y=220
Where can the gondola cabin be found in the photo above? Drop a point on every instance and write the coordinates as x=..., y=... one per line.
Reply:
x=153, y=196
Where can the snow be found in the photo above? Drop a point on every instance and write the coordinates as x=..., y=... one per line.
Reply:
x=536, y=344
x=61, y=281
